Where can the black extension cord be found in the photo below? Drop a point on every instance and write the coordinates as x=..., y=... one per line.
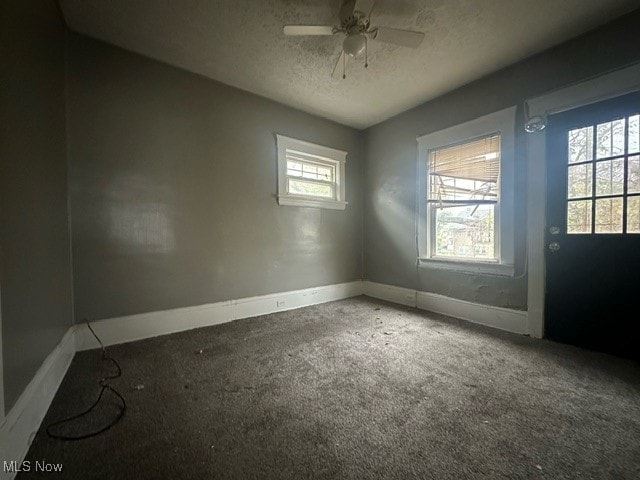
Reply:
x=104, y=386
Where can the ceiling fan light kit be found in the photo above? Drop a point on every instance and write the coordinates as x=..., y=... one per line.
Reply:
x=354, y=44
x=355, y=24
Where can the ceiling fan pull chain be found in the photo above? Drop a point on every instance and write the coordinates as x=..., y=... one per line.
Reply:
x=366, y=52
x=344, y=66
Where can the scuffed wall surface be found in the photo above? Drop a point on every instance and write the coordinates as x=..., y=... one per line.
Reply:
x=390, y=151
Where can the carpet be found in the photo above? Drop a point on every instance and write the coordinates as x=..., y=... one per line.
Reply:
x=355, y=389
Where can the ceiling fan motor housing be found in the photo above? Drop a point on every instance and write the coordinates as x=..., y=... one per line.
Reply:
x=346, y=13
x=352, y=21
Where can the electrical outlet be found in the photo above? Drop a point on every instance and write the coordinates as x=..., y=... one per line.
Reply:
x=279, y=303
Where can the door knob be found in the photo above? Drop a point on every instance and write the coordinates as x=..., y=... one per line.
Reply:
x=554, y=246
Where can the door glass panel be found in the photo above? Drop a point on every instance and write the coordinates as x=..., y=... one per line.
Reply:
x=579, y=216
x=608, y=215
x=634, y=134
x=610, y=177
x=610, y=139
x=633, y=181
x=633, y=215
x=579, y=184
x=613, y=173
x=581, y=145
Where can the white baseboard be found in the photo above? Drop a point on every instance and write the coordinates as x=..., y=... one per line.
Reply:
x=24, y=419
x=514, y=321
x=117, y=330
x=502, y=318
x=390, y=293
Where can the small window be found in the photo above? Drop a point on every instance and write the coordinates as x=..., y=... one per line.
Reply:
x=463, y=199
x=310, y=175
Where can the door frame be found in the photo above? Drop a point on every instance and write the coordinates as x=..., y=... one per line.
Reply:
x=2, y=412
x=602, y=87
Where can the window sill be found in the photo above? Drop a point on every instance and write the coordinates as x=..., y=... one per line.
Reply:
x=295, y=201
x=469, y=266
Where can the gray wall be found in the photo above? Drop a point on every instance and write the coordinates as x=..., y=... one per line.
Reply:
x=172, y=188
x=35, y=265
x=172, y=182
x=390, y=152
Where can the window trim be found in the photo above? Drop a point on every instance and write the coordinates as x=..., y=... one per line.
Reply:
x=332, y=155
x=502, y=122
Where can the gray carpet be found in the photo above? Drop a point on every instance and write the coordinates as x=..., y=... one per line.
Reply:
x=358, y=389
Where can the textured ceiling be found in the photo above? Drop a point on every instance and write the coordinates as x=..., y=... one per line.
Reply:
x=240, y=43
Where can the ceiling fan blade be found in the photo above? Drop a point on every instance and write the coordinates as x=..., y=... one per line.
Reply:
x=405, y=38
x=338, y=70
x=364, y=6
x=308, y=30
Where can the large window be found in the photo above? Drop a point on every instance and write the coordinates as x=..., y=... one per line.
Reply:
x=463, y=196
x=310, y=175
x=465, y=185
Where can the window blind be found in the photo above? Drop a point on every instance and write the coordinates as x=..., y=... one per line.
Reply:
x=465, y=172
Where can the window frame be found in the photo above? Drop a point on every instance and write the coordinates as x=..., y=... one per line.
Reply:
x=322, y=155
x=432, y=213
x=502, y=123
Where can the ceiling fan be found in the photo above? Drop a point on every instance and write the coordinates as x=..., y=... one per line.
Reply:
x=355, y=24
